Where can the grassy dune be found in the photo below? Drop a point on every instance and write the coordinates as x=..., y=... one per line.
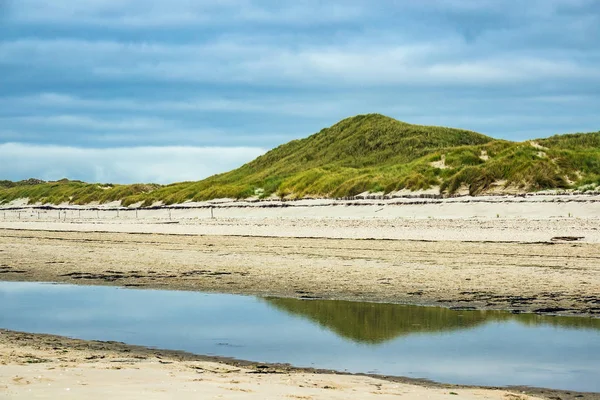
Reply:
x=74, y=192
x=371, y=153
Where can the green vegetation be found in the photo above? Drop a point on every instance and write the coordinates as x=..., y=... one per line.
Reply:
x=370, y=153
x=376, y=323
x=74, y=192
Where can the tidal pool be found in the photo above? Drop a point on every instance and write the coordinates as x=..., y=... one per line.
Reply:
x=463, y=347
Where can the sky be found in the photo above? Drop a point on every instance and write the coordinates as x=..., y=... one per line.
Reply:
x=162, y=91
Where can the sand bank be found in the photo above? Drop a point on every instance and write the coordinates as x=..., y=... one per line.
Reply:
x=553, y=277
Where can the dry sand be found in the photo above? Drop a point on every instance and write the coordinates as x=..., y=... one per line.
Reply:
x=52, y=367
x=497, y=219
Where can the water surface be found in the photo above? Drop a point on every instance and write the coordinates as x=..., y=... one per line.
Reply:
x=464, y=347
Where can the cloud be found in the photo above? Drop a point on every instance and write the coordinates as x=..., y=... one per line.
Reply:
x=98, y=124
x=264, y=120
x=178, y=13
x=449, y=62
x=54, y=105
x=86, y=122
x=121, y=164
x=136, y=14
x=284, y=105
x=258, y=73
x=3, y=8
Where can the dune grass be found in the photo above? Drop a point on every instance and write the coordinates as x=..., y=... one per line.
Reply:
x=73, y=192
x=365, y=153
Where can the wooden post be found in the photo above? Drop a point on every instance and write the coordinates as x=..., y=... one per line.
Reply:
x=211, y=212
x=169, y=213
x=136, y=214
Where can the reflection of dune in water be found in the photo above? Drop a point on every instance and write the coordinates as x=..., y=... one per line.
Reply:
x=376, y=323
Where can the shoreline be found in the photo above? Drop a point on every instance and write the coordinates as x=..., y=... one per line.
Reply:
x=466, y=275
x=42, y=363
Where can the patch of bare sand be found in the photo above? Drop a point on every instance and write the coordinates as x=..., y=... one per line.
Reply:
x=52, y=367
x=502, y=224
x=554, y=277
x=489, y=218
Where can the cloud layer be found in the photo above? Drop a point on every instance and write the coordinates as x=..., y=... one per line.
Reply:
x=120, y=165
x=258, y=73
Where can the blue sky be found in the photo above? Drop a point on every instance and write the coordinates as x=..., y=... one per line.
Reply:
x=149, y=90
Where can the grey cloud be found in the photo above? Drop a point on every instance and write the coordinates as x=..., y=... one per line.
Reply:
x=130, y=72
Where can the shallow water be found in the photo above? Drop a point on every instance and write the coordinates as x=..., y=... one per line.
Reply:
x=464, y=347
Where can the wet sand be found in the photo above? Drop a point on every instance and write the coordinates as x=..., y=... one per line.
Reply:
x=552, y=277
x=45, y=366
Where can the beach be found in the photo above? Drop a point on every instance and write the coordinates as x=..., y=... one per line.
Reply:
x=454, y=253
x=533, y=255
x=536, y=218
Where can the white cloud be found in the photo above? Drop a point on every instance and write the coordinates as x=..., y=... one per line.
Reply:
x=325, y=106
x=121, y=164
x=86, y=122
x=449, y=62
x=232, y=72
